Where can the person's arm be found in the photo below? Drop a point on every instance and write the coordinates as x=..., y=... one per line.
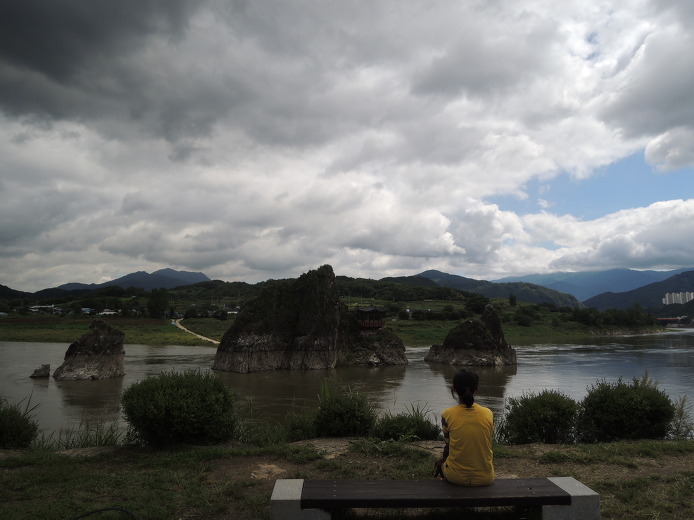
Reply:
x=438, y=465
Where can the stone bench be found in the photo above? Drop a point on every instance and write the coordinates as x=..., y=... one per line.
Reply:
x=561, y=498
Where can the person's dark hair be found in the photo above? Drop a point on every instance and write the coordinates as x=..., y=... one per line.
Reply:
x=464, y=386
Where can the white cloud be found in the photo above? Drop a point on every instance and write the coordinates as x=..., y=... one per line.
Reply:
x=253, y=140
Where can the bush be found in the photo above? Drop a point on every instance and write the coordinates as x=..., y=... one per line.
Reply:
x=615, y=411
x=300, y=425
x=189, y=407
x=412, y=424
x=342, y=412
x=682, y=426
x=17, y=427
x=548, y=417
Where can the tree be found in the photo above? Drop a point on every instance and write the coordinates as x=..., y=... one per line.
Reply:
x=512, y=300
x=158, y=302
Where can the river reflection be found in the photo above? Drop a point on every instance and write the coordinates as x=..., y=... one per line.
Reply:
x=569, y=368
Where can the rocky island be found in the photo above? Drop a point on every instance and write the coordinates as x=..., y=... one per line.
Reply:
x=475, y=342
x=98, y=354
x=302, y=324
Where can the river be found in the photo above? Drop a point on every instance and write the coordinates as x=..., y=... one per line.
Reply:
x=570, y=368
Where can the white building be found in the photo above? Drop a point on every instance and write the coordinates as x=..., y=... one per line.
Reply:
x=678, y=297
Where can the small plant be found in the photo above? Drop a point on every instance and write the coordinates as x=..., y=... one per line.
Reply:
x=548, y=417
x=343, y=412
x=682, y=426
x=86, y=435
x=412, y=424
x=17, y=427
x=190, y=407
x=616, y=411
x=300, y=425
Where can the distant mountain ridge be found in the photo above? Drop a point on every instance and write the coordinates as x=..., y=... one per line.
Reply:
x=649, y=296
x=587, y=284
x=523, y=291
x=8, y=293
x=161, y=279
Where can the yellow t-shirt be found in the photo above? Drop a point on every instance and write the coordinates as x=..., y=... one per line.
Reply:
x=468, y=433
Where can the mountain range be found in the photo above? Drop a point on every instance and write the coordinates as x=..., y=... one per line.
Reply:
x=585, y=285
x=523, y=291
x=614, y=288
x=163, y=278
x=649, y=296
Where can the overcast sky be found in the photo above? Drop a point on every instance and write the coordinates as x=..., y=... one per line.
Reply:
x=259, y=139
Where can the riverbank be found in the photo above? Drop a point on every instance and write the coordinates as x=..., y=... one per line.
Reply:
x=54, y=329
x=635, y=480
x=206, y=331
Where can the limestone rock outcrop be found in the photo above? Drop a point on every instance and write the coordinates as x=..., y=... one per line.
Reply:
x=98, y=354
x=295, y=324
x=41, y=372
x=377, y=349
x=475, y=342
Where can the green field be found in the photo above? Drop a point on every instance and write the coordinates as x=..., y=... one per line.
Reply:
x=146, y=331
x=53, y=329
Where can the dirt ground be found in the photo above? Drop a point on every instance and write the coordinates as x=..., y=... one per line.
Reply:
x=256, y=475
x=528, y=466
x=524, y=462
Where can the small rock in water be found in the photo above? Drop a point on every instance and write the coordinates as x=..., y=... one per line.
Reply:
x=42, y=371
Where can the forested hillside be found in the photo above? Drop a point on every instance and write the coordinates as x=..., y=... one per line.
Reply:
x=649, y=296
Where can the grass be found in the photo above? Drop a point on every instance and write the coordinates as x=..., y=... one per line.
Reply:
x=146, y=331
x=54, y=329
x=86, y=435
x=208, y=327
x=650, y=497
x=421, y=333
x=223, y=481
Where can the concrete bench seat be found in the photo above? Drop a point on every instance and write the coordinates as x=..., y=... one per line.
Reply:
x=561, y=498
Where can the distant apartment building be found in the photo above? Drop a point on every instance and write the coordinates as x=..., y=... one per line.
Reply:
x=678, y=297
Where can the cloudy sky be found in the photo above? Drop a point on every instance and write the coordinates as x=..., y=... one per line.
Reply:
x=260, y=139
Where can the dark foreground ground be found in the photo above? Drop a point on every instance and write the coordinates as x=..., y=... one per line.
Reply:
x=640, y=480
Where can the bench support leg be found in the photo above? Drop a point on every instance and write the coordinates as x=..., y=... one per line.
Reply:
x=585, y=503
x=285, y=503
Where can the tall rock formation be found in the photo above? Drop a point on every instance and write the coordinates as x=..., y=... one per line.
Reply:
x=475, y=342
x=98, y=354
x=298, y=324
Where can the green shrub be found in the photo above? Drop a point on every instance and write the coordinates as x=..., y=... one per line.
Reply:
x=682, y=426
x=300, y=425
x=548, y=417
x=17, y=427
x=412, y=424
x=615, y=411
x=190, y=407
x=343, y=412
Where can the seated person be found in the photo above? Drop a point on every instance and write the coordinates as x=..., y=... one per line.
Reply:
x=467, y=429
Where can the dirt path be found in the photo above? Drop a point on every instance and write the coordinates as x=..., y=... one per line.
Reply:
x=178, y=324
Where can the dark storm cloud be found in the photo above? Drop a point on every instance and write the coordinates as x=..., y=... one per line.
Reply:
x=71, y=59
x=255, y=139
x=60, y=38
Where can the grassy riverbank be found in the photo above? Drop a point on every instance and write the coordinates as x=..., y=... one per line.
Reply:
x=53, y=329
x=145, y=331
x=636, y=480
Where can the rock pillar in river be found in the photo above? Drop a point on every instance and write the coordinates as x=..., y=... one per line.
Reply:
x=475, y=342
x=300, y=324
x=98, y=354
